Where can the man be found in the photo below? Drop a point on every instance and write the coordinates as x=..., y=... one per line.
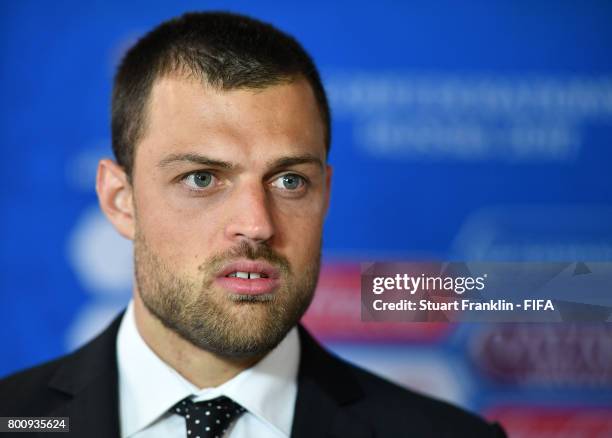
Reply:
x=221, y=132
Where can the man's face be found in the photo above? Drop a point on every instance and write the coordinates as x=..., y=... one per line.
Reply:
x=229, y=184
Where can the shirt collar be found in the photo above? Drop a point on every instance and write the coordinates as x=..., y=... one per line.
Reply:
x=267, y=390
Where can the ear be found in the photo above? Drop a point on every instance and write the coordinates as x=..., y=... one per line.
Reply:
x=116, y=197
x=328, y=180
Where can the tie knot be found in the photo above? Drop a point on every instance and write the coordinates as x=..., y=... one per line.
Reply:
x=210, y=418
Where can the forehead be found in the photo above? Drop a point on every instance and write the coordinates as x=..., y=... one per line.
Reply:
x=184, y=114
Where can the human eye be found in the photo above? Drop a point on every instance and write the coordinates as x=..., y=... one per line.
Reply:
x=199, y=180
x=290, y=181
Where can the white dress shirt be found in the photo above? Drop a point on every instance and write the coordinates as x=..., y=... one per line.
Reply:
x=148, y=388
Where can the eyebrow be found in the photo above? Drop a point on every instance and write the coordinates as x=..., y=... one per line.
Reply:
x=194, y=158
x=295, y=160
x=207, y=161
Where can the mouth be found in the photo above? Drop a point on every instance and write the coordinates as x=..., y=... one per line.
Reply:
x=247, y=277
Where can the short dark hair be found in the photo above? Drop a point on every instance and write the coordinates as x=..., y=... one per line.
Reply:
x=226, y=50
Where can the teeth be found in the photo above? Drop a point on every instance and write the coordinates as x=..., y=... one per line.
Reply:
x=246, y=275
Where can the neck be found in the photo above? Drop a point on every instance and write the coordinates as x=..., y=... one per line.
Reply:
x=200, y=367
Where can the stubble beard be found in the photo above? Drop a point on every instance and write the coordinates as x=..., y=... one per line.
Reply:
x=216, y=320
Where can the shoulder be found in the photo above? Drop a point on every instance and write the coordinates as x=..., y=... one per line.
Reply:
x=26, y=392
x=41, y=389
x=385, y=407
x=403, y=406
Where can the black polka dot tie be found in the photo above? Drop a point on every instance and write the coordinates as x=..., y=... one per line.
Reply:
x=208, y=419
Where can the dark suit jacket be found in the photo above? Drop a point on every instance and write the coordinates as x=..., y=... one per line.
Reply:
x=335, y=399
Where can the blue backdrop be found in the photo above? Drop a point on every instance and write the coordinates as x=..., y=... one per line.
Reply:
x=463, y=131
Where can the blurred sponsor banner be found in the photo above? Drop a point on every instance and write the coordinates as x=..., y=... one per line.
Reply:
x=545, y=355
x=434, y=116
x=554, y=422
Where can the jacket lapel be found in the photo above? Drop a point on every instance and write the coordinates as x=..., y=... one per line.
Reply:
x=88, y=379
x=325, y=391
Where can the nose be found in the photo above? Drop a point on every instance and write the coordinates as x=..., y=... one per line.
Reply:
x=249, y=215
